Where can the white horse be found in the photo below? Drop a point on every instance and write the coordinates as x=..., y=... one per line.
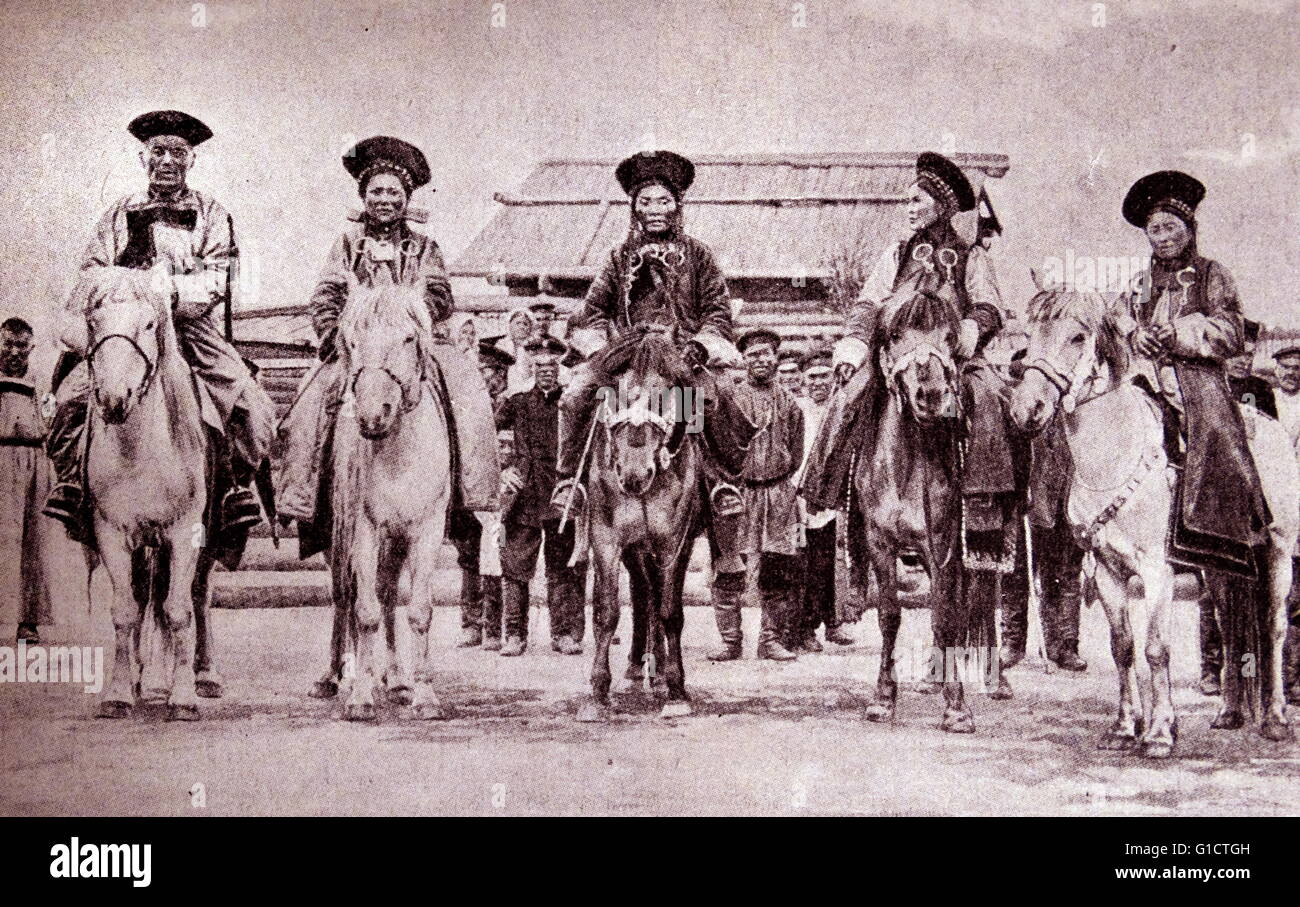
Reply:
x=1120, y=500
x=146, y=473
x=391, y=488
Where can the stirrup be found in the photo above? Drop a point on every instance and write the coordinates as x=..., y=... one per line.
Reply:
x=560, y=496
x=726, y=500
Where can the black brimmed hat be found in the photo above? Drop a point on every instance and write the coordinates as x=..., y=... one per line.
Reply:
x=944, y=179
x=666, y=167
x=1169, y=190
x=547, y=346
x=385, y=154
x=169, y=122
x=491, y=354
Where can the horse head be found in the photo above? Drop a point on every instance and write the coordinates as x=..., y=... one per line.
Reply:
x=385, y=334
x=128, y=321
x=645, y=416
x=917, y=356
x=1073, y=344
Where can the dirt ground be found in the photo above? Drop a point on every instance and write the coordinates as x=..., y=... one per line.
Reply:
x=766, y=738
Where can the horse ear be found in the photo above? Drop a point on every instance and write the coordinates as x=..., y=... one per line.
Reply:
x=1041, y=282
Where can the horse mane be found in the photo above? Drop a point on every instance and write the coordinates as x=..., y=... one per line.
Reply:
x=922, y=311
x=656, y=355
x=1094, y=313
x=389, y=304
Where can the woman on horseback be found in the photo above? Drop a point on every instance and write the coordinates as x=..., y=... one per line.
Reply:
x=383, y=245
x=1183, y=319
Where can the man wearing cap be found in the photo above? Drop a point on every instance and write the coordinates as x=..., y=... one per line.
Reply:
x=659, y=278
x=23, y=481
x=192, y=238
x=1287, y=400
x=531, y=525
x=789, y=373
x=480, y=570
x=817, y=602
x=935, y=259
x=1248, y=388
x=384, y=244
x=773, y=560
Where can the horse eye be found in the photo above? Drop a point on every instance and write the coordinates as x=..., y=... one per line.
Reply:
x=1078, y=338
x=410, y=339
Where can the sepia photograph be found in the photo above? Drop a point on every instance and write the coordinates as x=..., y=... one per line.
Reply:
x=742, y=408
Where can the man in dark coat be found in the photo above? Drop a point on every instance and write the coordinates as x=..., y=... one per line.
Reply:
x=531, y=525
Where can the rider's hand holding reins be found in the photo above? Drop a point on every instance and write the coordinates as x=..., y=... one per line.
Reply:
x=511, y=480
x=1148, y=343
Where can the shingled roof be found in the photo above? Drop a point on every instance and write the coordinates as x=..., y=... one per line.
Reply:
x=766, y=216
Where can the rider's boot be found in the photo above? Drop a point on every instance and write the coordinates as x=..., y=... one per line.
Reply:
x=490, y=592
x=240, y=510
x=728, y=593
x=63, y=445
x=1065, y=630
x=471, y=610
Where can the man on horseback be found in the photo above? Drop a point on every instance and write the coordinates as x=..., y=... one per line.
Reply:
x=192, y=238
x=384, y=246
x=935, y=259
x=662, y=277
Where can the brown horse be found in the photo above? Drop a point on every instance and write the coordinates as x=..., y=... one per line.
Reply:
x=643, y=509
x=908, y=492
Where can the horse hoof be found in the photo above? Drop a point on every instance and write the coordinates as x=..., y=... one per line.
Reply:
x=880, y=711
x=431, y=711
x=676, y=709
x=592, y=712
x=1157, y=749
x=1228, y=721
x=928, y=687
x=323, y=689
x=114, y=708
x=1003, y=690
x=361, y=711
x=958, y=722
x=1277, y=731
x=177, y=712
x=399, y=695
x=1117, y=742
x=155, y=697
x=208, y=688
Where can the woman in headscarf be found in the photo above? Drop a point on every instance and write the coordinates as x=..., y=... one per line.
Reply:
x=1184, y=321
x=932, y=258
x=383, y=245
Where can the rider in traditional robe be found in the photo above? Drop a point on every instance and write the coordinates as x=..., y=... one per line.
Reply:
x=383, y=245
x=1183, y=319
x=186, y=232
x=660, y=277
x=933, y=258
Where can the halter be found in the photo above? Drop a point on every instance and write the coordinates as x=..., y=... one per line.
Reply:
x=150, y=367
x=1072, y=387
x=638, y=414
x=410, y=398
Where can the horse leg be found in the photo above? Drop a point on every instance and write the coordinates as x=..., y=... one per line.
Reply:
x=1113, y=592
x=604, y=619
x=950, y=610
x=673, y=619
x=119, y=698
x=637, y=588
x=1162, y=730
x=208, y=682
x=420, y=562
x=152, y=648
x=183, y=704
x=364, y=558
x=1275, y=725
x=890, y=617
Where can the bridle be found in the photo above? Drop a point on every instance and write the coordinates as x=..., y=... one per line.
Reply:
x=918, y=353
x=637, y=415
x=150, y=367
x=411, y=395
x=1071, y=388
